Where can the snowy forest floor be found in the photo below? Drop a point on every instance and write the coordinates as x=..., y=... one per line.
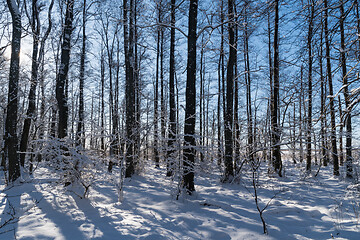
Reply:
x=304, y=207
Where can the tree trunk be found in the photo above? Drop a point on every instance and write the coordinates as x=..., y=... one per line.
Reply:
x=324, y=154
x=229, y=170
x=35, y=28
x=310, y=62
x=190, y=108
x=172, y=105
x=156, y=96
x=348, y=145
x=275, y=129
x=250, y=137
x=102, y=117
x=129, y=87
x=80, y=135
x=334, y=153
x=61, y=86
x=341, y=134
x=11, y=141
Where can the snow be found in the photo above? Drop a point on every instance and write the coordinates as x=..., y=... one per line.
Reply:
x=305, y=207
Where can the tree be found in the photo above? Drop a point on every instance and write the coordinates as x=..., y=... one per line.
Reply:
x=36, y=59
x=11, y=140
x=80, y=126
x=61, y=93
x=129, y=85
x=229, y=171
x=275, y=129
x=172, y=105
x=348, y=145
x=190, y=108
x=311, y=4
x=331, y=93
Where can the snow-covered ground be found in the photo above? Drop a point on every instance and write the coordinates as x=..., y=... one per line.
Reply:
x=305, y=207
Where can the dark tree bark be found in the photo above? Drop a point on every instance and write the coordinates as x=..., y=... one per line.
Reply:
x=324, y=153
x=221, y=85
x=156, y=94
x=102, y=117
x=334, y=153
x=348, y=145
x=341, y=134
x=310, y=63
x=129, y=86
x=250, y=135
x=275, y=129
x=61, y=81
x=11, y=140
x=236, y=93
x=80, y=136
x=172, y=105
x=190, y=108
x=229, y=169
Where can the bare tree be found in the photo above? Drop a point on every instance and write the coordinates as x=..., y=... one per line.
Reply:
x=275, y=128
x=229, y=170
x=334, y=153
x=61, y=88
x=11, y=144
x=190, y=108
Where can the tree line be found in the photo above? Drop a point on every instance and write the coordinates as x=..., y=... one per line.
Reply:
x=181, y=83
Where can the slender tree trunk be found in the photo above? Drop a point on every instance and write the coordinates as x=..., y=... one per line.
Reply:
x=80, y=136
x=348, y=145
x=271, y=70
x=275, y=129
x=334, y=153
x=250, y=137
x=30, y=113
x=324, y=154
x=130, y=87
x=162, y=85
x=11, y=141
x=37, y=58
x=172, y=104
x=229, y=170
x=236, y=97
x=190, y=108
x=310, y=62
x=201, y=120
x=341, y=134
x=102, y=117
x=221, y=84
x=61, y=86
